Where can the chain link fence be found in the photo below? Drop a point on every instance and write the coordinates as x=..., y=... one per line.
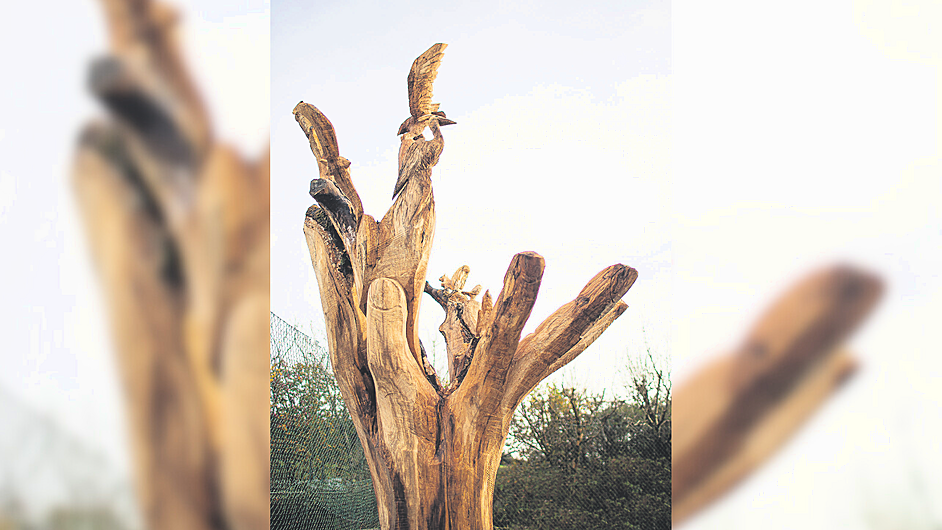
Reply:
x=319, y=476
x=581, y=462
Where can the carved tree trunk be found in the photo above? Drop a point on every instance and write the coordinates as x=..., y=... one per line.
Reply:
x=433, y=449
x=178, y=227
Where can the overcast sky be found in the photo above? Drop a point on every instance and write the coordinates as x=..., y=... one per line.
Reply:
x=562, y=146
x=804, y=133
x=722, y=149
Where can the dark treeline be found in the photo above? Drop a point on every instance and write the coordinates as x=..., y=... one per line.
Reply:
x=573, y=460
x=584, y=462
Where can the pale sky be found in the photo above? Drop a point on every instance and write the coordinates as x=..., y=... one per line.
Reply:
x=562, y=147
x=806, y=132
x=722, y=149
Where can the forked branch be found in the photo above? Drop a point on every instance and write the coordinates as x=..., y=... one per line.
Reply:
x=570, y=330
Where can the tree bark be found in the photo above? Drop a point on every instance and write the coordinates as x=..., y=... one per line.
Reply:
x=433, y=449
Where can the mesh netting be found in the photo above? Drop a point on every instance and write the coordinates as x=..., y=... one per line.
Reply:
x=613, y=473
x=583, y=463
x=319, y=476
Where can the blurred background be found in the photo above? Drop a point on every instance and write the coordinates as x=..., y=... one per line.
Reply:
x=806, y=133
x=62, y=428
x=800, y=134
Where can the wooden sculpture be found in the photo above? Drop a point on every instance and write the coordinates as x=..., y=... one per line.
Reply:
x=178, y=225
x=734, y=413
x=433, y=448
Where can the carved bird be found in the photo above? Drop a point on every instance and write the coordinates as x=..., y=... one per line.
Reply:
x=446, y=282
x=421, y=76
x=473, y=292
x=416, y=153
x=460, y=277
x=457, y=280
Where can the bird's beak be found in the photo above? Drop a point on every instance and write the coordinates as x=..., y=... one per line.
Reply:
x=442, y=120
x=405, y=126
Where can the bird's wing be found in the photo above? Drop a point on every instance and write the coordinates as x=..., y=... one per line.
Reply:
x=421, y=77
x=400, y=183
x=410, y=161
x=460, y=277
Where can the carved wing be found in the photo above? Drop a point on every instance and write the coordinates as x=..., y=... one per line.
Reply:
x=411, y=159
x=423, y=73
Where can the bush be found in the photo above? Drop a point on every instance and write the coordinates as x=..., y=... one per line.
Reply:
x=627, y=492
x=588, y=464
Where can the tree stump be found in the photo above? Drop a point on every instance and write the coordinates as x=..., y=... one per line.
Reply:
x=433, y=449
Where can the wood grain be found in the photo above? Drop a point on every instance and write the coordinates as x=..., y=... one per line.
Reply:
x=433, y=450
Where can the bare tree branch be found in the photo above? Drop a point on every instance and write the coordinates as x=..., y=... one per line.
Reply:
x=741, y=406
x=562, y=331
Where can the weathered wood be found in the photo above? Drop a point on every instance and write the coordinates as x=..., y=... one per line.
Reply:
x=433, y=451
x=346, y=344
x=323, y=141
x=769, y=433
x=484, y=316
x=403, y=245
x=495, y=352
x=173, y=492
x=586, y=339
x=145, y=41
x=460, y=327
x=406, y=408
x=569, y=330
x=179, y=230
x=733, y=413
x=439, y=295
x=339, y=210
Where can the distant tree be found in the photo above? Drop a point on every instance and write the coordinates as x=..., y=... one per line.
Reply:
x=650, y=388
x=558, y=426
x=312, y=435
x=586, y=463
x=567, y=426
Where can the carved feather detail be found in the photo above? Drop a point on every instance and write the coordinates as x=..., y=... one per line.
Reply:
x=423, y=73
